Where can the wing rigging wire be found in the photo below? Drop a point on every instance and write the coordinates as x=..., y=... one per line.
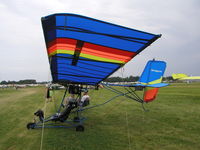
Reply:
x=45, y=103
x=127, y=128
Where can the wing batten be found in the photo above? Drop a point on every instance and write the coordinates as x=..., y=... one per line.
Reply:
x=77, y=51
x=132, y=39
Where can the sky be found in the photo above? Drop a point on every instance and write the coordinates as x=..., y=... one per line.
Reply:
x=22, y=47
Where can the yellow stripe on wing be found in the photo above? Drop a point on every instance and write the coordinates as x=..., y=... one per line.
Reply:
x=60, y=51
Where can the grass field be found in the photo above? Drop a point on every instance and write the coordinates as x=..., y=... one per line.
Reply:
x=173, y=122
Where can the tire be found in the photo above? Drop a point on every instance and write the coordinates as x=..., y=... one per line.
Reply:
x=76, y=119
x=30, y=125
x=80, y=128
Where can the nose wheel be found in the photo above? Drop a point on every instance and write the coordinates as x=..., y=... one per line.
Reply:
x=30, y=125
x=80, y=128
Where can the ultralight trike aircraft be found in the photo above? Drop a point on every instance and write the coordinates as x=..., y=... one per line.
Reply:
x=84, y=51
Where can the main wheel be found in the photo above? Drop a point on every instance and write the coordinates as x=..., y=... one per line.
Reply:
x=76, y=119
x=80, y=128
x=30, y=125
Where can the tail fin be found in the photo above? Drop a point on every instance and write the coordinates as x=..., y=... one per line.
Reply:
x=178, y=76
x=153, y=72
x=152, y=78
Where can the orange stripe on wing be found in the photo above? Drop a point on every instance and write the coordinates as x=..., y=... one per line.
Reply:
x=68, y=47
x=89, y=49
x=106, y=52
x=61, y=43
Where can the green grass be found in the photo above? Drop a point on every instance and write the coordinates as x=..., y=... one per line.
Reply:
x=173, y=122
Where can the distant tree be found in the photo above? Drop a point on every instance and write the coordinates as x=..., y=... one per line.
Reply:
x=3, y=82
x=8, y=82
x=120, y=79
x=169, y=78
x=131, y=79
x=28, y=81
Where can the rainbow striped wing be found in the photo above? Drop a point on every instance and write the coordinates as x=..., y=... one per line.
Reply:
x=86, y=51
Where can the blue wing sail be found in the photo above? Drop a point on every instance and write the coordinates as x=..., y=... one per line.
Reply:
x=84, y=50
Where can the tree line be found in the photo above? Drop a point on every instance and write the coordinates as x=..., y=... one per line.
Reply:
x=131, y=79
x=110, y=79
x=28, y=81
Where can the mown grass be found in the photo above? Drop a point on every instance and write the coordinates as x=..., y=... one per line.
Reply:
x=173, y=121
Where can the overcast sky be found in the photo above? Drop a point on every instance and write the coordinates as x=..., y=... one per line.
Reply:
x=22, y=46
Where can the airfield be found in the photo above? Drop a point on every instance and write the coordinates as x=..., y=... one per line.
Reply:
x=172, y=122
